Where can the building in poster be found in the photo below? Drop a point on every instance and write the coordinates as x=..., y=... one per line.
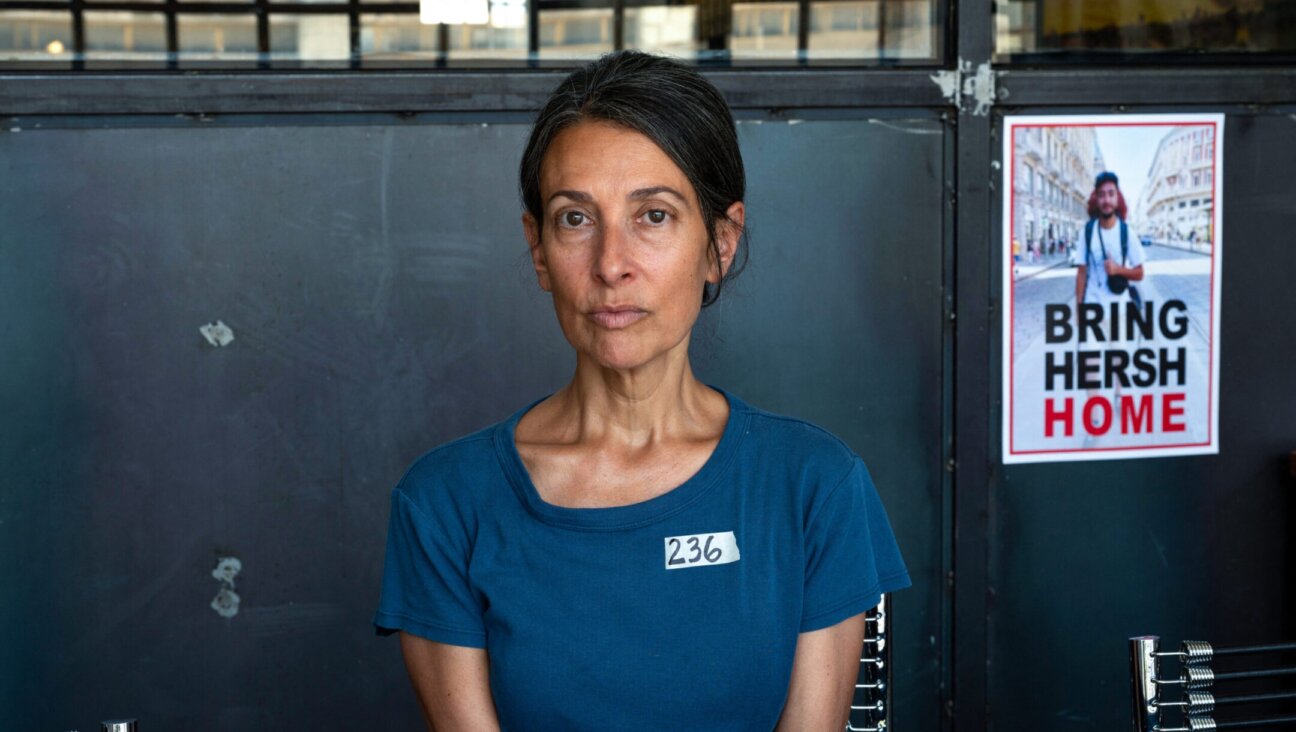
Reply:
x=1051, y=177
x=1111, y=340
x=1178, y=207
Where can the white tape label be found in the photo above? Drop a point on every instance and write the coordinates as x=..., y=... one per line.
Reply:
x=701, y=550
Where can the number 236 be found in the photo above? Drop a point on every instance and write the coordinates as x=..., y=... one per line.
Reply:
x=699, y=551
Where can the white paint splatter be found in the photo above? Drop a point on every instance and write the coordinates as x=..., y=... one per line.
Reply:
x=226, y=602
x=981, y=88
x=948, y=82
x=217, y=334
x=227, y=569
x=960, y=83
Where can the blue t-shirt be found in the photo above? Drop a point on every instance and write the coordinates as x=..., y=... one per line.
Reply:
x=679, y=612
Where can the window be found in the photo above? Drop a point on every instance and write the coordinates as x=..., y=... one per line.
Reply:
x=385, y=34
x=1150, y=30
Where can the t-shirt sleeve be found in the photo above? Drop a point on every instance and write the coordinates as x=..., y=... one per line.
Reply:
x=425, y=585
x=851, y=553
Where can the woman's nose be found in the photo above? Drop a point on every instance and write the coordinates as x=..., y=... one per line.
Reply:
x=612, y=263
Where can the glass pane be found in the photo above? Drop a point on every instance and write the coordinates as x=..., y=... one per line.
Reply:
x=208, y=37
x=764, y=30
x=665, y=29
x=391, y=36
x=36, y=35
x=503, y=37
x=1060, y=28
x=883, y=29
x=120, y=35
x=310, y=37
x=576, y=34
x=748, y=33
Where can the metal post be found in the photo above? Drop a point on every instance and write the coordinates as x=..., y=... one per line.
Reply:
x=1143, y=675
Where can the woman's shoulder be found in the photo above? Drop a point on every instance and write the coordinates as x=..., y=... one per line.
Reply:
x=798, y=438
x=453, y=470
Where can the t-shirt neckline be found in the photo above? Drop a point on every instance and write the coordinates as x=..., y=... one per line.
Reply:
x=615, y=518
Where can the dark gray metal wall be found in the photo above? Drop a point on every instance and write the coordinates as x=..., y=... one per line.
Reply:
x=1085, y=555
x=374, y=275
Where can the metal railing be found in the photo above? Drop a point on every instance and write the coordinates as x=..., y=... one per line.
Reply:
x=1190, y=699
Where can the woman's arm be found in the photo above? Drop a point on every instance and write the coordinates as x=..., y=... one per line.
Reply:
x=824, y=671
x=452, y=683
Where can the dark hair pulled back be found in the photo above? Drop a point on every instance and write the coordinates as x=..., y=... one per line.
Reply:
x=670, y=104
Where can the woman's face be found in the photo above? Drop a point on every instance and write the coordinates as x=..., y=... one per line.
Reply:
x=623, y=246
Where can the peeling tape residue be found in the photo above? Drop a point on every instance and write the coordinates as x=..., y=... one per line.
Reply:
x=948, y=82
x=218, y=334
x=981, y=88
x=226, y=602
x=962, y=84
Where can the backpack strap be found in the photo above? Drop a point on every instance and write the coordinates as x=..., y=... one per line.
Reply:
x=1102, y=244
x=1088, y=237
x=1124, y=244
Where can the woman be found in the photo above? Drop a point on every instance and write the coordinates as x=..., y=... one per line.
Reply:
x=638, y=550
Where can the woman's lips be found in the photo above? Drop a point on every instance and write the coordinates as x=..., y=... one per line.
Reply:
x=617, y=318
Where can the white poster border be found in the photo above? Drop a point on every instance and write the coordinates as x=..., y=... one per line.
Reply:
x=1010, y=123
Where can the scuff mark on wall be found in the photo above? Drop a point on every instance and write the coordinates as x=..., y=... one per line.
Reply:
x=906, y=129
x=226, y=602
x=217, y=334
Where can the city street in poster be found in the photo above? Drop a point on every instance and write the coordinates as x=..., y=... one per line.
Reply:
x=1112, y=242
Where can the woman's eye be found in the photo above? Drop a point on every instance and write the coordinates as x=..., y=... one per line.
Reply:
x=573, y=218
x=657, y=216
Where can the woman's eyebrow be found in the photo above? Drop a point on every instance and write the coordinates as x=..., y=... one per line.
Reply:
x=635, y=195
x=654, y=190
x=581, y=196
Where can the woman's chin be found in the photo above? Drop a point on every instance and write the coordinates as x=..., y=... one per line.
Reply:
x=625, y=349
x=624, y=356
x=620, y=361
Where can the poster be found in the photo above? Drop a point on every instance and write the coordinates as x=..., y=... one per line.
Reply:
x=1112, y=242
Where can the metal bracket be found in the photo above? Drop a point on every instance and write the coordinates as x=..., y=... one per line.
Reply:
x=971, y=92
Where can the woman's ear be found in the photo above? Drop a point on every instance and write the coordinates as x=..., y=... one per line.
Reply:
x=532, y=229
x=728, y=235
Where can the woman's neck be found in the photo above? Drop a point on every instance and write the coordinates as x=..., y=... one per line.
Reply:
x=656, y=402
